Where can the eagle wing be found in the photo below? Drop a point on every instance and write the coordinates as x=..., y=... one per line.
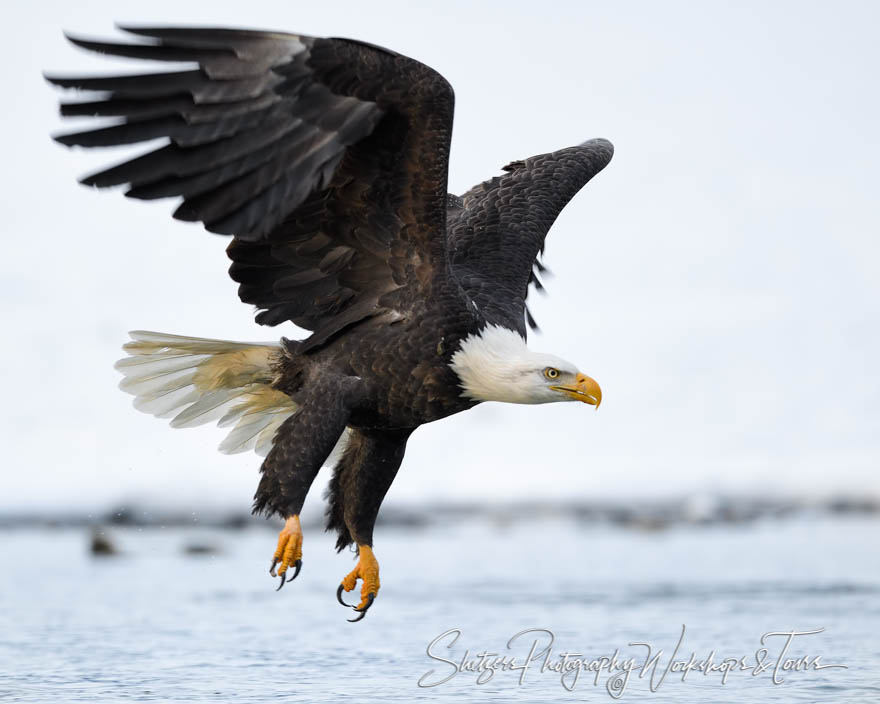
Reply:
x=326, y=159
x=496, y=230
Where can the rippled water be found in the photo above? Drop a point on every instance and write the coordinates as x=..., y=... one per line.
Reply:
x=158, y=624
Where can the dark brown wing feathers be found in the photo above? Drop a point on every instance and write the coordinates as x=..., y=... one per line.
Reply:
x=325, y=158
x=497, y=232
x=327, y=161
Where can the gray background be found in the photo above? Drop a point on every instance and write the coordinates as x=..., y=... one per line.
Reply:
x=719, y=279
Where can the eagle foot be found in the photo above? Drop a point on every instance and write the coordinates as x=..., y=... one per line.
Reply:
x=289, y=551
x=367, y=569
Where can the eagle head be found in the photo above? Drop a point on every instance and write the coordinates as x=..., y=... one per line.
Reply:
x=496, y=365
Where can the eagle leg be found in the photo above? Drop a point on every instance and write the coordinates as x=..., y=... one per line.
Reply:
x=367, y=569
x=360, y=482
x=300, y=446
x=289, y=551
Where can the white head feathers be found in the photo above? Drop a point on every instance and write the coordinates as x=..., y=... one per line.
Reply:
x=496, y=365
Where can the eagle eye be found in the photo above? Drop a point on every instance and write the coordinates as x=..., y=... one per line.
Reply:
x=551, y=373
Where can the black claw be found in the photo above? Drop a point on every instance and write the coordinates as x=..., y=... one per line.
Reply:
x=339, y=597
x=298, y=565
x=283, y=582
x=272, y=568
x=371, y=597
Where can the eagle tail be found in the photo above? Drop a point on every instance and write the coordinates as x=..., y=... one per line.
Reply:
x=195, y=380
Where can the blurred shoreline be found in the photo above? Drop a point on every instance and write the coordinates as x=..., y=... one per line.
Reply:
x=646, y=515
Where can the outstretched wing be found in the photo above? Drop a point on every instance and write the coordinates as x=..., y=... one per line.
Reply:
x=325, y=158
x=496, y=230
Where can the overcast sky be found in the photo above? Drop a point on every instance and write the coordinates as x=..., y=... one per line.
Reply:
x=720, y=279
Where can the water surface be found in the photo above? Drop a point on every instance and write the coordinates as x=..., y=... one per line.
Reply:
x=156, y=623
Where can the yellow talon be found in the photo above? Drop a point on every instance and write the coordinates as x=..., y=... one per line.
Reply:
x=366, y=569
x=289, y=551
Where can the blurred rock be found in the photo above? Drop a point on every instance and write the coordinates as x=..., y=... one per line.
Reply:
x=200, y=549
x=101, y=545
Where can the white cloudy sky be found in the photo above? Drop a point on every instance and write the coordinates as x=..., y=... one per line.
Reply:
x=721, y=279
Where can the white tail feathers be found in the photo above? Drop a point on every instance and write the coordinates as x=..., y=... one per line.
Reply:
x=195, y=380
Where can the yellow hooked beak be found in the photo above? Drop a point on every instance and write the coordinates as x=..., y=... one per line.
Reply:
x=584, y=389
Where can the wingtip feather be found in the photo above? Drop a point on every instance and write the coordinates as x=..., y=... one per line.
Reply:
x=601, y=147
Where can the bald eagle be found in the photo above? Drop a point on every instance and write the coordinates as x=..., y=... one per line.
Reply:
x=326, y=161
